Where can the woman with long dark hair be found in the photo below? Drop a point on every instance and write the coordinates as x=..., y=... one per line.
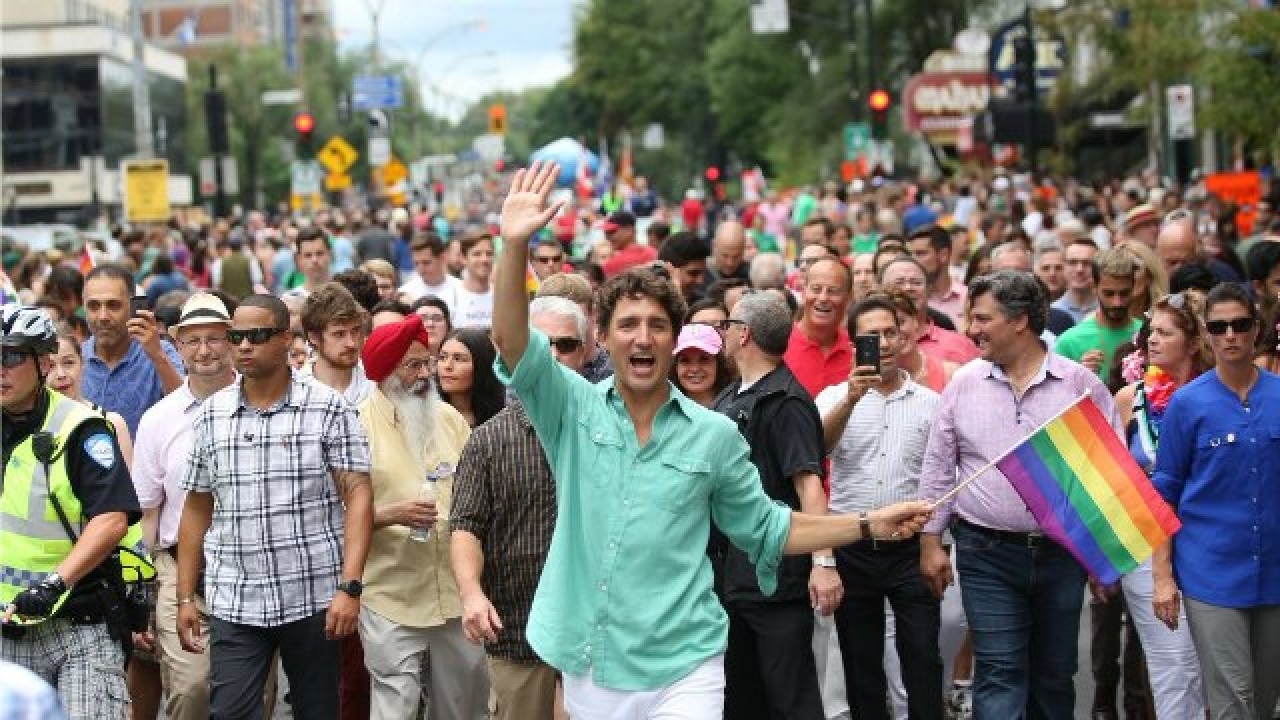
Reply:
x=464, y=374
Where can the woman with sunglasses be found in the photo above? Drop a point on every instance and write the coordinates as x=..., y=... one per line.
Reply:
x=465, y=377
x=1171, y=351
x=700, y=370
x=65, y=377
x=1218, y=461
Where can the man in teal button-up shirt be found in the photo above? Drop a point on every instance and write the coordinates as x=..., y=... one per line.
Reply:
x=624, y=606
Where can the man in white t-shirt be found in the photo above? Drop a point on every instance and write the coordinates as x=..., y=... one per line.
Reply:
x=474, y=306
x=432, y=277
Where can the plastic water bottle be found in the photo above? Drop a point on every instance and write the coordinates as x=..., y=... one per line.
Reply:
x=430, y=493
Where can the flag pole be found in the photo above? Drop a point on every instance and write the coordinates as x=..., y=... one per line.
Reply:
x=980, y=471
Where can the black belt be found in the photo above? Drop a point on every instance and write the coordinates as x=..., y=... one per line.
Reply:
x=883, y=544
x=1030, y=540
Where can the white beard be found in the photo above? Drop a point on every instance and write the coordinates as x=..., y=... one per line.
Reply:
x=416, y=414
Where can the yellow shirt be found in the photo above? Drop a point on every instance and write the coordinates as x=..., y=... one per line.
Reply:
x=408, y=582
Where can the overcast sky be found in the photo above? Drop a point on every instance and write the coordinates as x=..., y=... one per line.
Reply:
x=466, y=48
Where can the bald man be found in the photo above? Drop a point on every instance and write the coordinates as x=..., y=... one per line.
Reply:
x=1015, y=256
x=1177, y=244
x=727, y=250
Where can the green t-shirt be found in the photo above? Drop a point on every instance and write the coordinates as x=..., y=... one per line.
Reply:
x=866, y=243
x=1089, y=335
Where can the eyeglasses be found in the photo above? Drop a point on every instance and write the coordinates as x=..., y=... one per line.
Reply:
x=908, y=282
x=565, y=345
x=1177, y=301
x=195, y=343
x=13, y=358
x=555, y=260
x=734, y=321
x=417, y=365
x=1177, y=215
x=1236, y=325
x=432, y=318
x=256, y=336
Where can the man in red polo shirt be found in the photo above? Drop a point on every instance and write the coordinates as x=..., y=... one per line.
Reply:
x=819, y=353
x=620, y=229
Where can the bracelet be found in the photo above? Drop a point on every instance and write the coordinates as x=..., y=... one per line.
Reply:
x=185, y=600
x=864, y=526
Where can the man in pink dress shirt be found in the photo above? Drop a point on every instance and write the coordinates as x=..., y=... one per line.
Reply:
x=931, y=247
x=1022, y=592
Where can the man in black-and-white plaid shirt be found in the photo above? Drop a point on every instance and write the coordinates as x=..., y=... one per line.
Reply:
x=274, y=459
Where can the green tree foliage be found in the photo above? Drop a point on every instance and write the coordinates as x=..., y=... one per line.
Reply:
x=1245, y=76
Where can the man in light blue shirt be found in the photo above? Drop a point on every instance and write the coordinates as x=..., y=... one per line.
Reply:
x=624, y=606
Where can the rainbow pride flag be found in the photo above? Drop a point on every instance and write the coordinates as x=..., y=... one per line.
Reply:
x=1088, y=494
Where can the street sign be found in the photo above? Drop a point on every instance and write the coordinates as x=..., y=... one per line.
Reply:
x=305, y=177
x=379, y=151
x=769, y=17
x=337, y=155
x=654, y=137
x=1180, y=101
x=489, y=147
x=292, y=96
x=857, y=136
x=334, y=182
x=372, y=92
x=395, y=172
x=146, y=190
x=209, y=180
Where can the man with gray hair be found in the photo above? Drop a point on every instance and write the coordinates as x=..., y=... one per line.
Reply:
x=768, y=270
x=503, y=515
x=1008, y=568
x=769, y=662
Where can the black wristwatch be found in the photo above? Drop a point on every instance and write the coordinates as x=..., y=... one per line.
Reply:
x=864, y=524
x=352, y=587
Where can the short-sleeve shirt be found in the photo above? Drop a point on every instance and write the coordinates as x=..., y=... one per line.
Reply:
x=131, y=387
x=160, y=459
x=273, y=553
x=626, y=592
x=815, y=367
x=631, y=256
x=1089, y=335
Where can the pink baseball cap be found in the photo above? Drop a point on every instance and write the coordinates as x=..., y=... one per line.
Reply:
x=700, y=336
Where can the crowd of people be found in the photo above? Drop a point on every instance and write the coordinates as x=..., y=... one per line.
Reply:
x=642, y=460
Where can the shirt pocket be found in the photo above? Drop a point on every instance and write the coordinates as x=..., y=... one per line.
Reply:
x=677, y=483
x=602, y=456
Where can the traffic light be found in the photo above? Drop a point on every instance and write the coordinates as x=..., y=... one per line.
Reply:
x=712, y=174
x=1024, y=68
x=497, y=119
x=879, y=101
x=215, y=117
x=304, y=124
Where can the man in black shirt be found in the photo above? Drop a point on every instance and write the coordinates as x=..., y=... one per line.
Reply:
x=60, y=588
x=769, y=664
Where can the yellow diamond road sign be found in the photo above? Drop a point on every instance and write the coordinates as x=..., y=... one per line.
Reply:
x=337, y=155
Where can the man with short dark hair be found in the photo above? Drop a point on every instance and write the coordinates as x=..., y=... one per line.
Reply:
x=769, y=662
x=474, y=306
x=334, y=324
x=314, y=258
x=634, y=453
x=875, y=425
x=685, y=257
x=283, y=456
x=432, y=276
x=1008, y=569
x=931, y=247
x=127, y=366
x=1093, y=341
x=548, y=258
x=1081, y=297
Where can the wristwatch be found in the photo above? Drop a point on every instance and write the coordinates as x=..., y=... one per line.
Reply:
x=864, y=525
x=55, y=581
x=352, y=587
x=825, y=561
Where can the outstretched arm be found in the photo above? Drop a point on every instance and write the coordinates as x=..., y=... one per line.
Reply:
x=524, y=212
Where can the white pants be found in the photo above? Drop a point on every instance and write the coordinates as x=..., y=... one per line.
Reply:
x=952, y=628
x=394, y=654
x=1172, y=664
x=696, y=696
x=830, y=664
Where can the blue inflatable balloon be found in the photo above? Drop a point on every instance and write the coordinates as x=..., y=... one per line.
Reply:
x=568, y=153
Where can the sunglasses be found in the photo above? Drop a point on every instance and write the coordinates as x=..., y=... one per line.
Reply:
x=256, y=336
x=13, y=358
x=1238, y=326
x=545, y=260
x=565, y=345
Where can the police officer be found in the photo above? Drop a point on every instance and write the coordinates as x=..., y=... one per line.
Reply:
x=66, y=503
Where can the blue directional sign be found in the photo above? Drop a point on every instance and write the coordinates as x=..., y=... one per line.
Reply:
x=373, y=92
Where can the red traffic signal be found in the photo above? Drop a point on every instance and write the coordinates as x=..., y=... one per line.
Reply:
x=879, y=100
x=712, y=174
x=304, y=123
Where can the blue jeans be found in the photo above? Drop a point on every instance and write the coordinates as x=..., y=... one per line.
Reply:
x=1023, y=605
